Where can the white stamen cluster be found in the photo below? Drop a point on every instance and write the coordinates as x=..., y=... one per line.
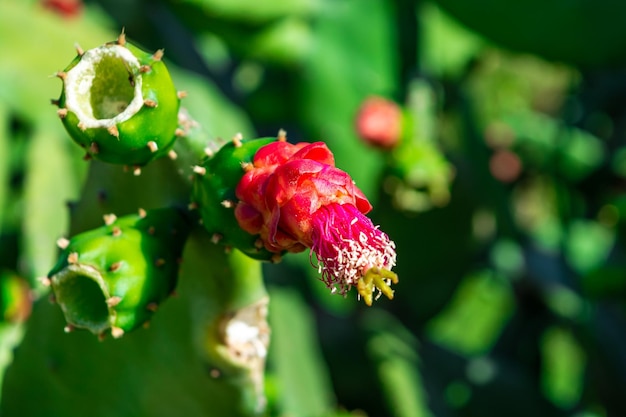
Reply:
x=345, y=254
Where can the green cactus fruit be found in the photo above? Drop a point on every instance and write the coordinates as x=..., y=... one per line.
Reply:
x=113, y=278
x=119, y=103
x=213, y=193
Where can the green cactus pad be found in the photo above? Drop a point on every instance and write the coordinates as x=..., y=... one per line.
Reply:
x=214, y=193
x=114, y=277
x=119, y=103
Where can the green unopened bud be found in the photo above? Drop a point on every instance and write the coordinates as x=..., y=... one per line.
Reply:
x=114, y=277
x=119, y=103
x=214, y=194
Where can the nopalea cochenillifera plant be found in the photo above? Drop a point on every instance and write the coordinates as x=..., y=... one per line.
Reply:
x=119, y=103
x=113, y=278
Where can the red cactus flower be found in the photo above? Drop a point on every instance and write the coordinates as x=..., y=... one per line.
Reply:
x=295, y=198
x=379, y=122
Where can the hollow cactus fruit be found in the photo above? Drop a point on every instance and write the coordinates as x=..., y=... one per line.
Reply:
x=119, y=103
x=213, y=194
x=113, y=278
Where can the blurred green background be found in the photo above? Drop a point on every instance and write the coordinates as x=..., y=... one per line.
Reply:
x=506, y=199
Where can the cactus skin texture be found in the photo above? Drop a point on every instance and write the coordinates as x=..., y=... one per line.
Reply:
x=113, y=278
x=213, y=192
x=119, y=103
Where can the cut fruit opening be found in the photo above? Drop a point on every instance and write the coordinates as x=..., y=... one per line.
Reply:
x=108, y=95
x=104, y=87
x=79, y=292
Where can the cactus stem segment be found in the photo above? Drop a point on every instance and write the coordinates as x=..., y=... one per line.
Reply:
x=150, y=103
x=282, y=135
x=117, y=332
x=62, y=113
x=109, y=219
x=172, y=155
x=62, y=243
x=199, y=170
x=158, y=55
x=113, y=301
x=152, y=145
x=72, y=258
x=181, y=94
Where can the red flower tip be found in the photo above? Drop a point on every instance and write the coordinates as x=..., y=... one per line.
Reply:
x=379, y=122
x=295, y=198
